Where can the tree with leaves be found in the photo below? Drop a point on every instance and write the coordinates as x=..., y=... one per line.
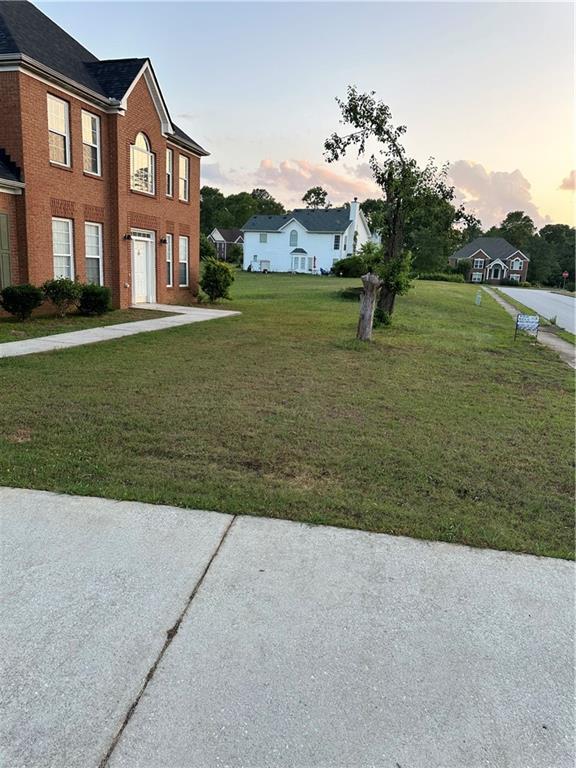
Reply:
x=517, y=227
x=316, y=197
x=400, y=178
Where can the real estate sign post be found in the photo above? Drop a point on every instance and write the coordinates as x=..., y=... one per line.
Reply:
x=528, y=323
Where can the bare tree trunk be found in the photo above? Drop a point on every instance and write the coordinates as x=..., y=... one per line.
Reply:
x=372, y=285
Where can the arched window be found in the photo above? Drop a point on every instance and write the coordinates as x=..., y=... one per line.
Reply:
x=141, y=165
x=516, y=264
x=293, y=238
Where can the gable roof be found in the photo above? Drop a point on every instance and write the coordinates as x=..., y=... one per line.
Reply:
x=313, y=220
x=9, y=171
x=26, y=34
x=230, y=235
x=493, y=247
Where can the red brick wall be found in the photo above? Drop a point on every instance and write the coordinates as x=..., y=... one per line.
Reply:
x=52, y=190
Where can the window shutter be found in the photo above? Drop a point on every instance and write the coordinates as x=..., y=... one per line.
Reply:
x=5, y=277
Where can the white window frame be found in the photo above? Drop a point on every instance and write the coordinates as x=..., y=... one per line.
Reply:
x=184, y=181
x=337, y=241
x=169, y=172
x=151, y=164
x=100, y=249
x=181, y=240
x=514, y=277
x=293, y=238
x=68, y=162
x=478, y=264
x=98, y=171
x=170, y=259
x=516, y=261
x=477, y=277
x=70, y=255
x=263, y=237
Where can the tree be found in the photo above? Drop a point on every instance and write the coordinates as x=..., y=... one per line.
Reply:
x=316, y=197
x=562, y=239
x=217, y=277
x=375, y=212
x=400, y=178
x=266, y=204
x=517, y=227
x=543, y=266
x=213, y=212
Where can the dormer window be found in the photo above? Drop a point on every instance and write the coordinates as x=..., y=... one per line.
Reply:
x=141, y=165
x=293, y=238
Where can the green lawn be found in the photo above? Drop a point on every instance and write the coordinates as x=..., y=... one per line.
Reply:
x=443, y=428
x=41, y=325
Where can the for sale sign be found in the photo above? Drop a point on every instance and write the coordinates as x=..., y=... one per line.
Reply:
x=528, y=323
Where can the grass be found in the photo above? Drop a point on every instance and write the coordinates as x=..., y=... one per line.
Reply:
x=544, y=322
x=41, y=325
x=442, y=428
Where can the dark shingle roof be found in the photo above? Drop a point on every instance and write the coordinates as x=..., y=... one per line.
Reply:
x=230, y=235
x=494, y=247
x=26, y=31
x=115, y=76
x=331, y=220
x=9, y=171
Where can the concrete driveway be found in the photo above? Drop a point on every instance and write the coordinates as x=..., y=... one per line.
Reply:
x=154, y=637
x=547, y=304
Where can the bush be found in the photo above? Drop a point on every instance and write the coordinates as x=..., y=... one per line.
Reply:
x=351, y=294
x=63, y=293
x=21, y=300
x=381, y=317
x=463, y=267
x=448, y=277
x=506, y=281
x=353, y=266
x=236, y=254
x=217, y=277
x=207, y=248
x=94, y=300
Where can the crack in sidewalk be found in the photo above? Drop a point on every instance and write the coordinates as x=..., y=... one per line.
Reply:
x=170, y=635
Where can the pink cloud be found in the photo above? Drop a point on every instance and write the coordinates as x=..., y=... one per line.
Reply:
x=493, y=194
x=569, y=182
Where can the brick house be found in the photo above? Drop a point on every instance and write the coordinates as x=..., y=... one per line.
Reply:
x=492, y=260
x=96, y=181
x=224, y=239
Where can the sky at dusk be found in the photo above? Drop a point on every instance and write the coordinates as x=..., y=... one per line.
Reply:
x=487, y=87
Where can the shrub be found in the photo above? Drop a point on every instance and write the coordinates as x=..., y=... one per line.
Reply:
x=447, y=277
x=463, y=267
x=217, y=277
x=525, y=284
x=506, y=281
x=207, y=249
x=353, y=266
x=94, y=300
x=351, y=294
x=21, y=300
x=381, y=317
x=236, y=254
x=63, y=293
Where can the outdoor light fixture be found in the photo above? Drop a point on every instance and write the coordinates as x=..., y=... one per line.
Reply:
x=163, y=240
x=128, y=236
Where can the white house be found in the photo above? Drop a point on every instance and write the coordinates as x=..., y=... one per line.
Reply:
x=304, y=240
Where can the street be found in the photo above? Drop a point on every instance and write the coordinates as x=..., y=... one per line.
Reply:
x=547, y=304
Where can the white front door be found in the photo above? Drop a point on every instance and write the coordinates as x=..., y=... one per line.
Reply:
x=143, y=270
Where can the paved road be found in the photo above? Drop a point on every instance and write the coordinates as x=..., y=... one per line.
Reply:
x=547, y=304
x=287, y=645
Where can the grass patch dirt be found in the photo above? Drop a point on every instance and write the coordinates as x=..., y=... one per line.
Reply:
x=442, y=428
x=42, y=325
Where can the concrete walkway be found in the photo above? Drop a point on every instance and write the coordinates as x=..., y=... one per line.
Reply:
x=547, y=337
x=181, y=316
x=142, y=636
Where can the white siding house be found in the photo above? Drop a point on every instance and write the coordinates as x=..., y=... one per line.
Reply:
x=304, y=240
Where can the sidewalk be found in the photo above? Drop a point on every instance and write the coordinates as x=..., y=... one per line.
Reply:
x=564, y=349
x=142, y=636
x=181, y=316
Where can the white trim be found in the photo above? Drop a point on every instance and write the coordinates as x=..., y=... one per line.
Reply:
x=186, y=179
x=63, y=255
x=100, y=256
x=181, y=239
x=479, y=275
x=155, y=93
x=151, y=160
x=51, y=98
x=170, y=173
x=478, y=266
x=98, y=145
x=7, y=189
x=149, y=237
x=521, y=255
x=170, y=251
